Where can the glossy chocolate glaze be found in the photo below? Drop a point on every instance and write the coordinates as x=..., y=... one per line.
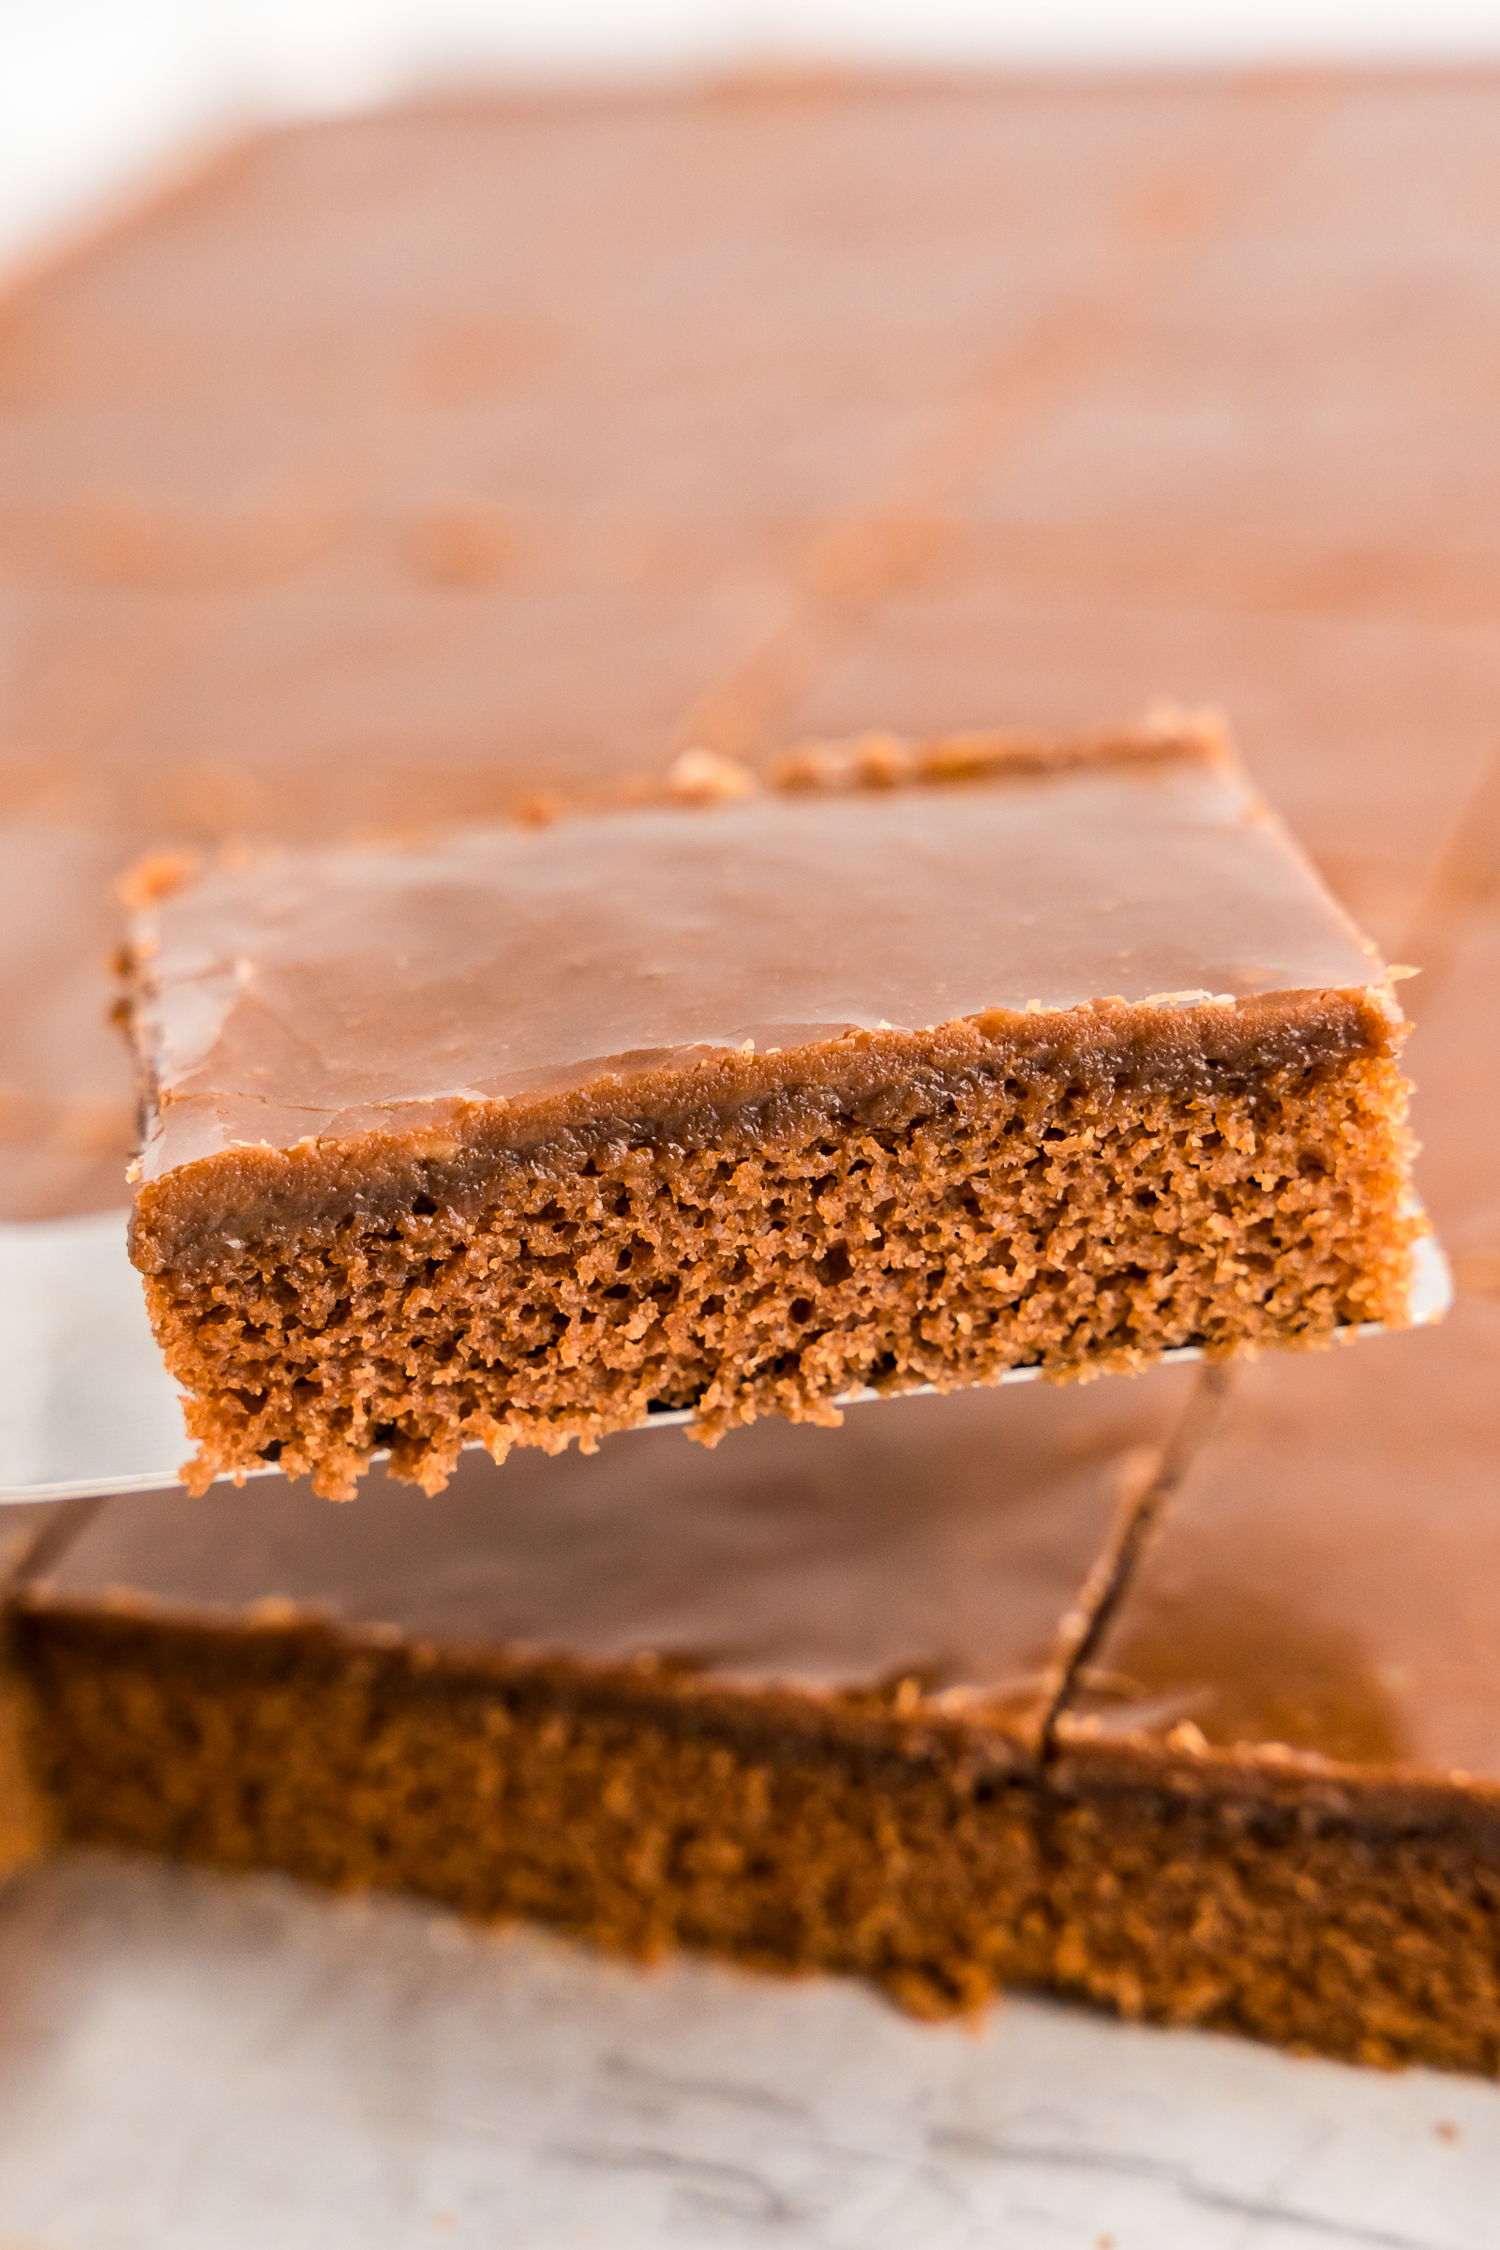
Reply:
x=945, y=1539
x=519, y=983
x=1327, y=1581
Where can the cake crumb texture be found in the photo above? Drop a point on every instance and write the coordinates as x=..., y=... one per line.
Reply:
x=996, y=1222
x=874, y=1838
x=633, y=1816
x=1312, y=1928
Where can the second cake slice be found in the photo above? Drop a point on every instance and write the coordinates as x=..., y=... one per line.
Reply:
x=917, y=1065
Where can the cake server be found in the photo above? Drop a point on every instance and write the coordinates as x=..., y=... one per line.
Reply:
x=89, y=1407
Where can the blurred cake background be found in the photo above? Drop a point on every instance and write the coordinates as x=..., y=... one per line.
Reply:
x=92, y=94
x=927, y=368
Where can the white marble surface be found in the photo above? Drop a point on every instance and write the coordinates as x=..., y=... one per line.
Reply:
x=201, y=2062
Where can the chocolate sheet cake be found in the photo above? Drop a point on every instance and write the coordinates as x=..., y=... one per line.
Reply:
x=923, y=1063
x=784, y=1700
x=315, y=488
x=1279, y=1776
x=918, y=1698
x=774, y=413
x=1178, y=1694
x=1278, y=1792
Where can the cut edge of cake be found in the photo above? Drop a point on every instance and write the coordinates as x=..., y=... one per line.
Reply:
x=735, y=1232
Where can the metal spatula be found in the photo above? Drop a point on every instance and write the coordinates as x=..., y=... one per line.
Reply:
x=88, y=1407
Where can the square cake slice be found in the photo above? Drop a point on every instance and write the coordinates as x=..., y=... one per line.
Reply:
x=1278, y=1788
x=784, y=1700
x=914, y=1064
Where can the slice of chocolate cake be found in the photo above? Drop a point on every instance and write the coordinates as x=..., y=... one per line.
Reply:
x=1278, y=1785
x=1278, y=1794
x=785, y=1700
x=922, y=1064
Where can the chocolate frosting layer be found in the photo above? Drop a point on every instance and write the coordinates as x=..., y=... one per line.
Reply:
x=429, y=460
x=1328, y=1578
x=325, y=994
x=946, y=1538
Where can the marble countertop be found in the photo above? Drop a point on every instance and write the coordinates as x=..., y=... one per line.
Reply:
x=227, y=2062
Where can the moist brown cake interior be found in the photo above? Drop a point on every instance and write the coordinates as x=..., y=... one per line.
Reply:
x=784, y=1700
x=1270, y=1802
x=30, y=1537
